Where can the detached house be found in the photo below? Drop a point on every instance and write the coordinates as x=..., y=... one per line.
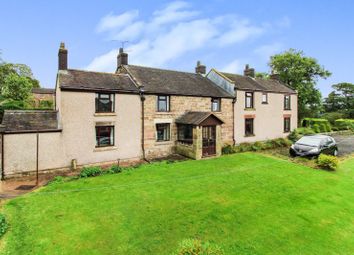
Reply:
x=141, y=113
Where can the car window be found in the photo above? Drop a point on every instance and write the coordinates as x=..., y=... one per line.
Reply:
x=309, y=140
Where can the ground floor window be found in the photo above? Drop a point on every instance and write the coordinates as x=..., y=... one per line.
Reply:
x=162, y=132
x=104, y=136
x=286, y=124
x=249, y=127
x=185, y=134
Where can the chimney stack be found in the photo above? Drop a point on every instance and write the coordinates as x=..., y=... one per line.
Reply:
x=200, y=69
x=250, y=72
x=274, y=76
x=62, y=57
x=122, y=58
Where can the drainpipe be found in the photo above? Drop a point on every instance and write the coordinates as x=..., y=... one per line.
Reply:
x=142, y=99
x=2, y=157
x=233, y=119
x=37, y=156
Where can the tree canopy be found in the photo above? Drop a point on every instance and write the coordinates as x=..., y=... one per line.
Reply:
x=16, y=87
x=301, y=73
x=341, y=99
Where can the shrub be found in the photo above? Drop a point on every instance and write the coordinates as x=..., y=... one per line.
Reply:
x=344, y=124
x=327, y=162
x=305, y=131
x=3, y=225
x=322, y=127
x=257, y=146
x=332, y=116
x=316, y=128
x=243, y=147
x=228, y=149
x=57, y=179
x=115, y=169
x=90, y=171
x=46, y=104
x=196, y=247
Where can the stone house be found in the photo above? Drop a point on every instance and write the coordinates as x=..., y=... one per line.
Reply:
x=140, y=113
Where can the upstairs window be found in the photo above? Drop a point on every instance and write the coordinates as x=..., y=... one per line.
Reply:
x=264, y=98
x=286, y=124
x=249, y=100
x=185, y=134
x=104, y=136
x=216, y=104
x=249, y=127
x=287, y=102
x=163, y=103
x=104, y=102
x=162, y=132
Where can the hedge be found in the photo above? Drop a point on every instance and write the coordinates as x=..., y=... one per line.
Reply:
x=257, y=146
x=344, y=124
x=318, y=125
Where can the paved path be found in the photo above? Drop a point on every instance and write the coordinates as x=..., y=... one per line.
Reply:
x=345, y=144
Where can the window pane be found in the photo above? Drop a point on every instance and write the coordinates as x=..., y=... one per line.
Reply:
x=249, y=100
x=248, y=127
x=104, y=102
x=215, y=104
x=163, y=103
x=104, y=136
x=163, y=132
x=264, y=98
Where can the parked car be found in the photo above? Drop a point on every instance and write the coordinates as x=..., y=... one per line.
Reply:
x=314, y=145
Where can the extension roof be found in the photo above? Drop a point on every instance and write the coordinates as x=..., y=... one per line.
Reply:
x=198, y=118
x=43, y=91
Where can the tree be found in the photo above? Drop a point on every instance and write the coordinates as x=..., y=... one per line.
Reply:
x=341, y=99
x=19, y=69
x=16, y=87
x=301, y=73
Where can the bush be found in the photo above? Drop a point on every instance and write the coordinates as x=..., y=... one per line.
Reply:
x=46, y=104
x=228, y=149
x=196, y=247
x=344, y=124
x=332, y=116
x=327, y=162
x=115, y=169
x=3, y=225
x=57, y=179
x=316, y=128
x=90, y=171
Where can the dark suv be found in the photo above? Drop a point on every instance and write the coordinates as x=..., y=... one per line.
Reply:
x=314, y=145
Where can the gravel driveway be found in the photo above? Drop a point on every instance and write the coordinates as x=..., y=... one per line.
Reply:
x=345, y=144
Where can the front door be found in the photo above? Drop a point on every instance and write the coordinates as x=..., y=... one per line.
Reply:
x=209, y=140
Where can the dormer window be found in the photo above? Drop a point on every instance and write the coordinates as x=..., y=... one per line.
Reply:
x=104, y=102
x=163, y=103
x=215, y=104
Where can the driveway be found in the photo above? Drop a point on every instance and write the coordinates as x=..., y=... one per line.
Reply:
x=345, y=144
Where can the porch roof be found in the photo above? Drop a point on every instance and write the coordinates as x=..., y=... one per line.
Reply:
x=199, y=118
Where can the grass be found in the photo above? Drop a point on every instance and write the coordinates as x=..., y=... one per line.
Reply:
x=246, y=203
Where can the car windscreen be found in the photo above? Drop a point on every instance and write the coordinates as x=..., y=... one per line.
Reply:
x=310, y=141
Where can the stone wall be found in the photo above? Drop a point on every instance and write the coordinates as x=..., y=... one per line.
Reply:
x=178, y=106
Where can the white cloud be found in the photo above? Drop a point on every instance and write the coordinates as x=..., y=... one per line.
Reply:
x=171, y=33
x=233, y=67
x=112, y=21
x=265, y=51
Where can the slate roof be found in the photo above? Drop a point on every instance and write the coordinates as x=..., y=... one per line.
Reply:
x=195, y=118
x=248, y=83
x=29, y=121
x=96, y=81
x=161, y=81
x=43, y=91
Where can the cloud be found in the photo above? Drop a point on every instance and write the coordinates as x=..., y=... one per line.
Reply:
x=265, y=51
x=233, y=67
x=173, y=32
x=112, y=21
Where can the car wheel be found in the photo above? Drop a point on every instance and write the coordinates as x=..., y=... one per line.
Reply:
x=335, y=152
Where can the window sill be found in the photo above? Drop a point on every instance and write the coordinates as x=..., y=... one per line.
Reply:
x=249, y=135
x=106, y=148
x=102, y=114
x=287, y=109
x=163, y=143
x=250, y=109
x=264, y=102
x=157, y=112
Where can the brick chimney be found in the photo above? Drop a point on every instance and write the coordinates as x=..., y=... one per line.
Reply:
x=62, y=57
x=250, y=72
x=201, y=69
x=274, y=76
x=122, y=58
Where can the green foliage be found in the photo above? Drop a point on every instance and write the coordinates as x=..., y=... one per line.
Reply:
x=327, y=162
x=297, y=133
x=316, y=128
x=3, y=225
x=197, y=247
x=90, y=171
x=301, y=73
x=344, y=124
x=46, y=104
x=318, y=125
x=115, y=169
x=57, y=179
x=16, y=87
x=333, y=116
x=341, y=99
x=257, y=146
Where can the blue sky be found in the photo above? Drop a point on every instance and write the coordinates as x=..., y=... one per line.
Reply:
x=175, y=34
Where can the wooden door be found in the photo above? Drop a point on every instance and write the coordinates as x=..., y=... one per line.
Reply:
x=209, y=140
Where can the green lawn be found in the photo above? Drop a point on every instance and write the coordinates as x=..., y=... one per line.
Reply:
x=246, y=203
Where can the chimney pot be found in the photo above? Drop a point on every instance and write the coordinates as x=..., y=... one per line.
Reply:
x=250, y=72
x=200, y=69
x=62, y=57
x=122, y=58
x=274, y=76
